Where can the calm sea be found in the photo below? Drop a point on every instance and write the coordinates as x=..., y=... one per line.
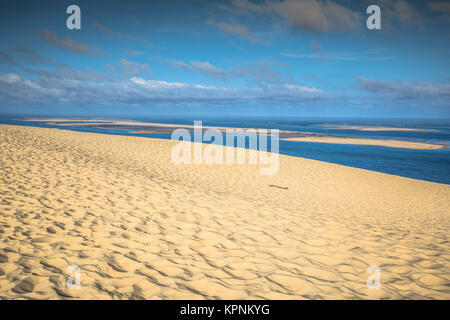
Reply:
x=431, y=165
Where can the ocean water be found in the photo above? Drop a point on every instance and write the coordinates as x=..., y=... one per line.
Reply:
x=430, y=165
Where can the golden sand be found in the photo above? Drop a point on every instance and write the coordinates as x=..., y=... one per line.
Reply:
x=140, y=227
x=370, y=142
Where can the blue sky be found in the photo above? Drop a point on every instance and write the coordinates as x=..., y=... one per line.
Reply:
x=305, y=58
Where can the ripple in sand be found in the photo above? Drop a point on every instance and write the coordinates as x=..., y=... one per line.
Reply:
x=27, y=285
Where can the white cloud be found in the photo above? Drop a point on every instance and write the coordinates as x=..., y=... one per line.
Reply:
x=314, y=15
x=237, y=29
x=155, y=84
x=406, y=13
x=120, y=35
x=203, y=67
x=401, y=11
x=181, y=64
x=134, y=68
x=207, y=68
x=245, y=7
x=10, y=78
x=404, y=89
x=263, y=71
x=441, y=7
x=6, y=58
x=134, y=53
x=311, y=15
x=138, y=91
x=68, y=44
x=339, y=56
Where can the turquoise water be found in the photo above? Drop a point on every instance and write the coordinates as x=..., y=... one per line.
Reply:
x=430, y=165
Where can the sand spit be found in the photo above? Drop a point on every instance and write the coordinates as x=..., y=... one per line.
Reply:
x=140, y=227
x=159, y=128
x=370, y=142
x=369, y=128
x=139, y=127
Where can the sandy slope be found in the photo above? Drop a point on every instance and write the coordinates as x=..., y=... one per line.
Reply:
x=140, y=227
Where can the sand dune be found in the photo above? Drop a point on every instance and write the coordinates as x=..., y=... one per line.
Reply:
x=140, y=227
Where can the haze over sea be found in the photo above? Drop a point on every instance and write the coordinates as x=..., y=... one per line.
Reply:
x=430, y=165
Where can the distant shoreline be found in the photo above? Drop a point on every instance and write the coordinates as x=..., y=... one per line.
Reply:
x=371, y=142
x=165, y=128
x=374, y=128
